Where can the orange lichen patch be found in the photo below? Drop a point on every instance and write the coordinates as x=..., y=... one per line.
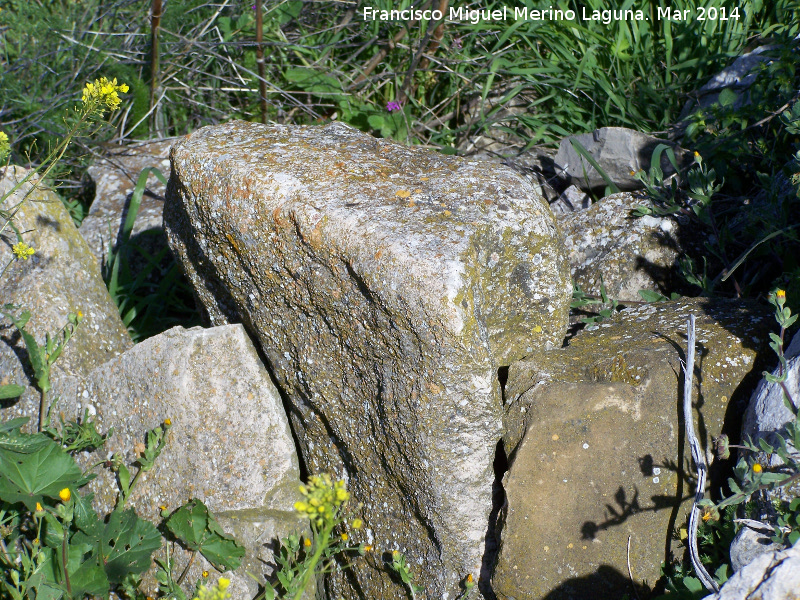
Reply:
x=424, y=178
x=434, y=389
x=417, y=191
x=233, y=243
x=316, y=236
x=403, y=193
x=487, y=202
x=276, y=215
x=378, y=254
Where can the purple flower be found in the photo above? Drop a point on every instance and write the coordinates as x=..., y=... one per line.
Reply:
x=392, y=106
x=457, y=42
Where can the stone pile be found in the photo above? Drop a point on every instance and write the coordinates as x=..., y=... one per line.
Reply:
x=407, y=311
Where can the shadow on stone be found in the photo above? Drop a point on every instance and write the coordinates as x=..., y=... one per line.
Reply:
x=606, y=583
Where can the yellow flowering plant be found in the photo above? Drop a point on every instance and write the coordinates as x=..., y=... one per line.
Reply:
x=301, y=558
x=214, y=592
x=97, y=97
x=753, y=472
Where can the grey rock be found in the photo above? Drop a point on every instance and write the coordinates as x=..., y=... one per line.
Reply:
x=115, y=176
x=618, y=151
x=229, y=445
x=572, y=199
x=750, y=543
x=738, y=77
x=593, y=435
x=385, y=286
x=767, y=414
x=230, y=440
x=61, y=277
x=628, y=253
x=773, y=576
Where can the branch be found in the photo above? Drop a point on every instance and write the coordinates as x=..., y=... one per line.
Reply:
x=699, y=461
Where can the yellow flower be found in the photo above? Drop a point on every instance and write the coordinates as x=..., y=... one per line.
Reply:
x=22, y=251
x=168, y=422
x=706, y=517
x=205, y=573
x=306, y=542
x=39, y=507
x=470, y=582
x=218, y=592
x=367, y=548
x=345, y=537
x=5, y=147
x=757, y=468
x=103, y=94
x=696, y=154
x=65, y=495
x=780, y=294
x=357, y=523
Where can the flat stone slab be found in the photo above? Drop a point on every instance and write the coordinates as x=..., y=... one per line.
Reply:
x=385, y=285
x=595, y=436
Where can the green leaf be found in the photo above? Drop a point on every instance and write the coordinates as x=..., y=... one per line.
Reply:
x=194, y=526
x=34, y=466
x=13, y=425
x=651, y=296
x=86, y=518
x=773, y=477
x=692, y=584
x=11, y=390
x=375, y=121
x=89, y=579
x=126, y=545
x=727, y=97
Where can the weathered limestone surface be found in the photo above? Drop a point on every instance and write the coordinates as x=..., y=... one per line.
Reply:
x=385, y=285
x=628, y=253
x=773, y=576
x=61, y=277
x=602, y=438
x=229, y=445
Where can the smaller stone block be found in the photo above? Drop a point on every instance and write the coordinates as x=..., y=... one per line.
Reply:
x=602, y=455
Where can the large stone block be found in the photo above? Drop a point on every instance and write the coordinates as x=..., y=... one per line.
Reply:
x=229, y=445
x=61, y=277
x=602, y=449
x=385, y=285
x=771, y=576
